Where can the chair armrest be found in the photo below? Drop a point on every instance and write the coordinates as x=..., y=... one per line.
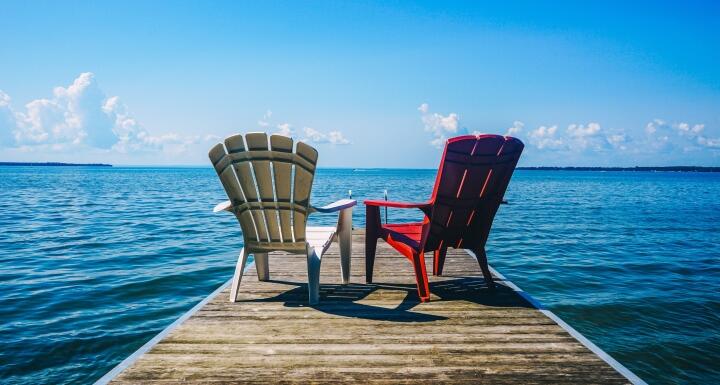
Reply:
x=335, y=206
x=400, y=205
x=226, y=206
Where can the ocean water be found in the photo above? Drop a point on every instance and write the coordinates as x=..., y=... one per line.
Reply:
x=95, y=261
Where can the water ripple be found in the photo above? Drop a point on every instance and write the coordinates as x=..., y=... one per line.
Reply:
x=95, y=261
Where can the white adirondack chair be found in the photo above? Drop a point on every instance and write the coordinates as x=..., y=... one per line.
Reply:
x=269, y=189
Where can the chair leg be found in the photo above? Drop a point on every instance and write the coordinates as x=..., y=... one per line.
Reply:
x=423, y=287
x=372, y=233
x=345, y=241
x=262, y=266
x=237, y=277
x=313, y=265
x=439, y=260
x=482, y=260
x=370, y=246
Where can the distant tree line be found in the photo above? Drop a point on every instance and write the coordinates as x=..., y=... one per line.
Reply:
x=53, y=164
x=636, y=168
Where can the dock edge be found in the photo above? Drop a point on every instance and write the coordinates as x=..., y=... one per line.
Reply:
x=127, y=362
x=620, y=368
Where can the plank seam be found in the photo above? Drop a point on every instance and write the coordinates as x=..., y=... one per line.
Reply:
x=597, y=351
x=620, y=368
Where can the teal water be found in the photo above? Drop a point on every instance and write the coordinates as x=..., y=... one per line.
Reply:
x=95, y=261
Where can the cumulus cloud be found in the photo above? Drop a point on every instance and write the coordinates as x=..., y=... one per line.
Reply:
x=617, y=141
x=653, y=126
x=8, y=121
x=667, y=137
x=686, y=128
x=132, y=137
x=336, y=137
x=285, y=129
x=81, y=115
x=72, y=116
x=663, y=141
x=310, y=135
x=577, y=137
x=583, y=136
x=515, y=129
x=444, y=126
x=441, y=126
x=333, y=137
x=583, y=131
x=545, y=137
x=709, y=142
x=587, y=141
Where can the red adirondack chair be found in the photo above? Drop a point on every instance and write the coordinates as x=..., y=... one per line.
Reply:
x=474, y=173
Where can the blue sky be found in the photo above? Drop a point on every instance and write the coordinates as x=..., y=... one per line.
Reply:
x=370, y=84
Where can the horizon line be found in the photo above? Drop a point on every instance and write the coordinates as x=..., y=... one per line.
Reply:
x=526, y=168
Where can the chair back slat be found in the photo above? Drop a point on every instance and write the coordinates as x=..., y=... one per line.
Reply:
x=282, y=148
x=302, y=183
x=269, y=186
x=224, y=167
x=241, y=162
x=497, y=184
x=257, y=145
x=472, y=179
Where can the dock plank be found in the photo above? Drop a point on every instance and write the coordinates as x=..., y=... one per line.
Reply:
x=370, y=333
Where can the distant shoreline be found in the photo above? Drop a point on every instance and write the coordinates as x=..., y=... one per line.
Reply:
x=666, y=168
x=525, y=168
x=55, y=164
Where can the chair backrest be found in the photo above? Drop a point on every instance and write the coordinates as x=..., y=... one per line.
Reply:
x=474, y=173
x=268, y=183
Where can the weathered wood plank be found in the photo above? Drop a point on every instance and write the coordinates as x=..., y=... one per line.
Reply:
x=378, y=333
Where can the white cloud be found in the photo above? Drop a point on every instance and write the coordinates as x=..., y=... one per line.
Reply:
x=653, y=126
x=617, y=141
x=582, y=136
x=708, y=142
x=4, y=99
x=311, y=135
x=73, y=116
x=439, y=125
x=582, y=131
x=685, y=128
x=133, y=137
x=545, y=137
x=8, y=121
x=82, y=116
x=664, y=137
x=515, y=129
x=577, y=137
x=444, y=126
x=336, y=137
x=333, y=137
x=588, y=140
x=285, y=129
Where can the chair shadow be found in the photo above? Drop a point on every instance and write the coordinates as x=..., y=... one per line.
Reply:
x=343, y=300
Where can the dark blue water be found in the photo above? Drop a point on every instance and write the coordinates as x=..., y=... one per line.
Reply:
x=95, y=261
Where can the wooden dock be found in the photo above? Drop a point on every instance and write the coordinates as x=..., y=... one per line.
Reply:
x=376, y=333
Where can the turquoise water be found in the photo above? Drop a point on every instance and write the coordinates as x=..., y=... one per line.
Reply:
x=95, y=261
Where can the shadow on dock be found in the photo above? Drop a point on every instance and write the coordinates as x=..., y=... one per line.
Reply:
x=466, y=334
x=347, y=300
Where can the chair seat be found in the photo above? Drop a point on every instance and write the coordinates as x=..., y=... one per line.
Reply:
x=407, y=233
x=320, y=237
